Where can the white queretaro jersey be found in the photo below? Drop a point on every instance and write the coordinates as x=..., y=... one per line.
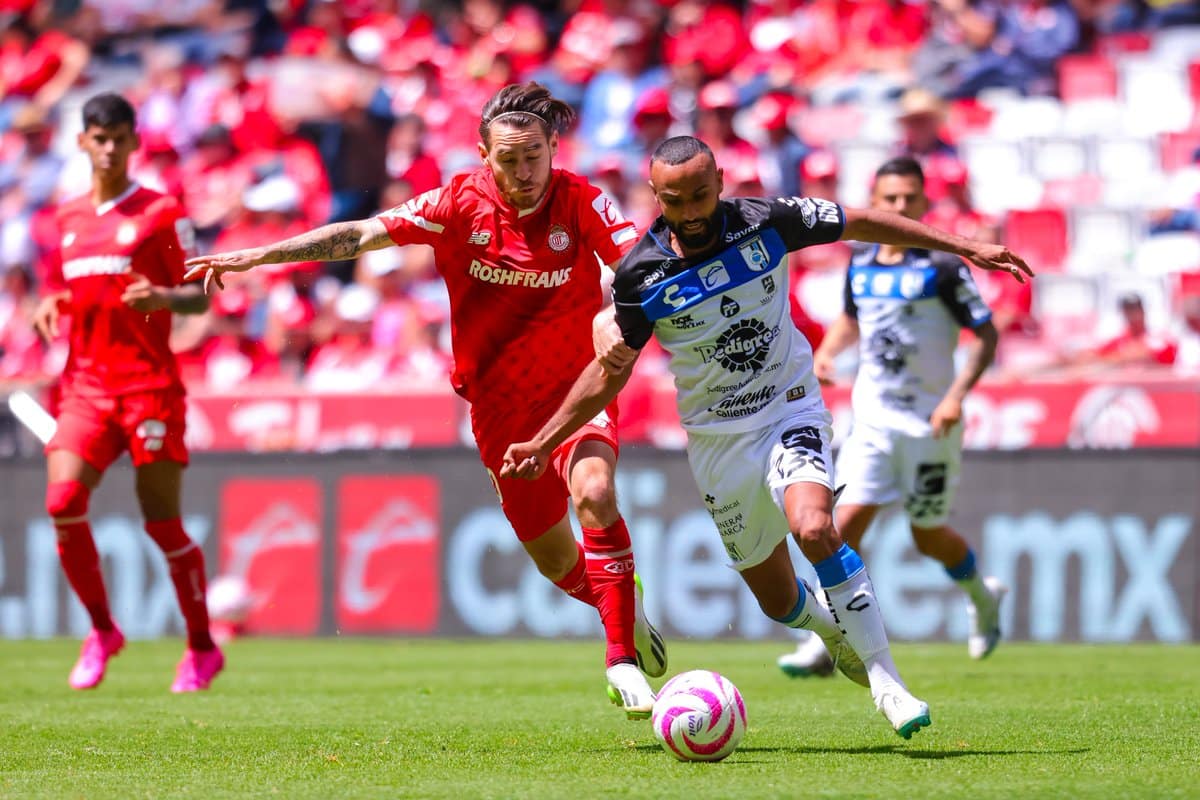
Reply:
x=724, y=317
x=909, y=315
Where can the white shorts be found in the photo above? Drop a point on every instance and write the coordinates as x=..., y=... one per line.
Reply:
x=742, y=478
x=881, y=466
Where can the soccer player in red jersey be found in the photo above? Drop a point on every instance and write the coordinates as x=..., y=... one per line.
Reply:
x=122, y=263
x=519, y=245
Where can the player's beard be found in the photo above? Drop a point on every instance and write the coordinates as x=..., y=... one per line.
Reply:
x=700, y=239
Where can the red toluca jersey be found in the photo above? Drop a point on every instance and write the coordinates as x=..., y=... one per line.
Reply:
x=114, y=349
x=524, y=284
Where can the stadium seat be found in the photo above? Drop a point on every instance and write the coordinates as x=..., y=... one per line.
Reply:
x=1083, y=77
x=1040, y=235
x=1187, y=284
x=1179, y=149
x=986, y=157
x=1120, y=43
x=1102, y=240
x=1167, y=253
x=1029, y=118
x=1136, y=191
x=967, y=118
x=1120, y=157
x=821, y=126
x=857, y=162
x=1194, y=80
x=1067, y=306
x=997, y=195
x=1096, y=117
x=1082, y=190
x=1157, y=99
x=1055, y=159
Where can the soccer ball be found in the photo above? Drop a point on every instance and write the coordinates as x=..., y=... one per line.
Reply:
x=229, y=599
x=699, y=716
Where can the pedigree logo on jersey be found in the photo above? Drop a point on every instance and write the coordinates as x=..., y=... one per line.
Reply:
x=742, y=348
x=270, y=536
x=388, y=576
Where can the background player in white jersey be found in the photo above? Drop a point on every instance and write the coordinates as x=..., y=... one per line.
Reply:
x=905, y=306
x=709, y=279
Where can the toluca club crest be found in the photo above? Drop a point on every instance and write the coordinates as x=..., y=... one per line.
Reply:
x=559, y=240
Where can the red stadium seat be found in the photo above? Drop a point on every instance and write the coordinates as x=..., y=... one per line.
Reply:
x=823, y=125
x=1179, y=149
x=1040, y=236
x=1084, y=77
x=1119, y=43
x=1187, y=284
x=1194, y=80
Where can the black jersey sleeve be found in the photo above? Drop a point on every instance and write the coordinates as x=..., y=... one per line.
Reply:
x=848, y=304
x=805, y=221
x=958, y=292
x=636, y=327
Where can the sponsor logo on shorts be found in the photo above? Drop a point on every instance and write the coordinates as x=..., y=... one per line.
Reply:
x=744, y=404
x=795, y=393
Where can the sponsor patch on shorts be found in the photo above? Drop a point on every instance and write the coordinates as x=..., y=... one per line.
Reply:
x=795, y=393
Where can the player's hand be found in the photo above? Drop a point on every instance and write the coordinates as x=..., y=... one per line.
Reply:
x=144, y=296
x=46, y=316
x=214, y=265
x=611, y=351
x=524, y=460
x=998, y=258
x=823, y=368
x=947, y=414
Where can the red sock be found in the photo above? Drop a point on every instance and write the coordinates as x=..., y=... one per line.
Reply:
x=576, y=583
x=186, y=562
x=610, y=571
x=81, y=562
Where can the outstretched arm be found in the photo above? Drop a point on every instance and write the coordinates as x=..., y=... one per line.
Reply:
x=868, y=225
x=593, y=391
x=339, y=241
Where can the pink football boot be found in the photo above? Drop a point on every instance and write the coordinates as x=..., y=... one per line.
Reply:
x=98, y=648
x=197, y=669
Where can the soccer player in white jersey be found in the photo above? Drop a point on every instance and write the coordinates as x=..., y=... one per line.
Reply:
x=709, y=279
x=904, y=306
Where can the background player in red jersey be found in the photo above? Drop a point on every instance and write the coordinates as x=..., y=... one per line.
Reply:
x=517, y=244
x=122, y=263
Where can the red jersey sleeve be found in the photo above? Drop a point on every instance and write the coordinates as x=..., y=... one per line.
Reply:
x=161, y=257
x=422, y=220
x=603, y=227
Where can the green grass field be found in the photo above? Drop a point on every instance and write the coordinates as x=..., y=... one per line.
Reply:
x=355, y=718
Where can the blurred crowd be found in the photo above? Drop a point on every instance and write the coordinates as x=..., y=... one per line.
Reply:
x=270, y=117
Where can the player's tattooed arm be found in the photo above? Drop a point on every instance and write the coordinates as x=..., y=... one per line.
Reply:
x=337, y=242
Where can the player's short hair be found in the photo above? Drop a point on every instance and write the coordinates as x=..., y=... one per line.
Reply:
x=680, y=150
x=522, y=105
x=108, y=110
x=904, y=166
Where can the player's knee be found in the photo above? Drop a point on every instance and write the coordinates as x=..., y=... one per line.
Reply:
x=813, y=529
x=595, y=497
x=67, y=499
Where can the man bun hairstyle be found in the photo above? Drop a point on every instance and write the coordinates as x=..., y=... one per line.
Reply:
x=108, y=110
x=680, y=150
x=521, y=105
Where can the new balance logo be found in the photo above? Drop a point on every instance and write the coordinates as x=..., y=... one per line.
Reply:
x=480, y=238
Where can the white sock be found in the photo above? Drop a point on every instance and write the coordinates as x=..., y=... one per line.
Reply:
x=856, y=610
x=811, y=614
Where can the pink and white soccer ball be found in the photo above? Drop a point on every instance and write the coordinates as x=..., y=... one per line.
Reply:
x=699, y=716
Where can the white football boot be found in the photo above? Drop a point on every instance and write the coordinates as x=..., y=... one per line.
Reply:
x=808, y=659
x=906, y=713
x=651, y=649
x=984, y=621
x=627, y=688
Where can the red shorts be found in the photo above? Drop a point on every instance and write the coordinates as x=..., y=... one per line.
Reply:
x=150, y=425
x=532, y=507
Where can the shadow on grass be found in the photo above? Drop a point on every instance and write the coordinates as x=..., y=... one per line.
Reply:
x=880, y=749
